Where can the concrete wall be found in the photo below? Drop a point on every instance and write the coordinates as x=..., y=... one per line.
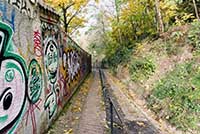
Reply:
x=40, y=67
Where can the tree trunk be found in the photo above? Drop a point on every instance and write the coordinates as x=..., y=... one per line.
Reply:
x=160, y=25
x=196, y=10
x=65, y=19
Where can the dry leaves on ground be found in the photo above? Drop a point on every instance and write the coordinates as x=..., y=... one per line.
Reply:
x=70, y=131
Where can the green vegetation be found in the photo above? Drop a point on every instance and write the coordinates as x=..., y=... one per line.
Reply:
x=141, y=68
x=194, y=35
x=168, y=47
x=117, y=31
x=119, y=56
x=176, y=97
x=170, y=35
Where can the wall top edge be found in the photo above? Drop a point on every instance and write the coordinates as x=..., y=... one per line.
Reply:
x=44, y=6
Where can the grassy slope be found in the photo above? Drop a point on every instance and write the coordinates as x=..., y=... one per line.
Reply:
x=166, y=72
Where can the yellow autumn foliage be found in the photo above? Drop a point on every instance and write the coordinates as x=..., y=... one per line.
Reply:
x=73, y=8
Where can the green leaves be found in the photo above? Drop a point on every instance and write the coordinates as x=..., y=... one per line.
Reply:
x=178, y=94
x=194, y=35
x=141, y=68
x=117, y=56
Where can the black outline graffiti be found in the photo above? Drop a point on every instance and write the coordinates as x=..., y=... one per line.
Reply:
x=22, y=6
x=41, y=80
x=11, y=56
x=51, y=44
x=70, y=63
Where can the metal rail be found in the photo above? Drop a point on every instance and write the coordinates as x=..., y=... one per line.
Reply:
x=114, y=113
x=113, y=108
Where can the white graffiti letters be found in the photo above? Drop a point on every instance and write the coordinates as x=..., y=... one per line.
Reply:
x=71, y=63
x=51, y=60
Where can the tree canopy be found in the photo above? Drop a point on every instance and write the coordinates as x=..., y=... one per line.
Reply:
x=132, y=21
x=70, y=11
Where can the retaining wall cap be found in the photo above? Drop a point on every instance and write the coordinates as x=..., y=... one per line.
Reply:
x=47, y=7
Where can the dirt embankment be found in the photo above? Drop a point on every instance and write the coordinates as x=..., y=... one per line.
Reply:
x=164, y=63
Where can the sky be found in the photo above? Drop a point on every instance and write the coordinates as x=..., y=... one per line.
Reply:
x=93, y=10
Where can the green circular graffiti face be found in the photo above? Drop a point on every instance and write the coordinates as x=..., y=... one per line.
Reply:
x=51, y=60
x=10, y=75
x=34, y=81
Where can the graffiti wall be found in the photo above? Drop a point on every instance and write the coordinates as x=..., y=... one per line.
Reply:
x=40, y=67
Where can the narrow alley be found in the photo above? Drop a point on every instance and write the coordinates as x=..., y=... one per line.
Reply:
x=85, y=113
x=99, y=67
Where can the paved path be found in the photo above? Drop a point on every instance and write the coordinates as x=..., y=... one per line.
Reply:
x=85, y=113
x=93, y=116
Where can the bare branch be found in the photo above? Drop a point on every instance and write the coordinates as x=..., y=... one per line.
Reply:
x=73, y=16
x=75, y=29
x=67, y=6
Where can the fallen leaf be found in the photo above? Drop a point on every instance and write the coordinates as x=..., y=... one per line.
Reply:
x=76, y=118
x=167, y=117
x=106, y=126
x=68, y=131
x=140, y=124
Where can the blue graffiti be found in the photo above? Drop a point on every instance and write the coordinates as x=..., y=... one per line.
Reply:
x=5, y=18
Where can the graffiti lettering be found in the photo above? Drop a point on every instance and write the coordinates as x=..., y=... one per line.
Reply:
x=49, y=27
x=33, y=1
x=22, y=6
x=35, y=81
x=12, y=82
x=35, y=84
x=5, y=15
x=51, y=66
x=51, y=104
x=11, y=91
x=27, y=102
x=51, y=60
x=71, y=63
x=37, y=43
x=51, y=55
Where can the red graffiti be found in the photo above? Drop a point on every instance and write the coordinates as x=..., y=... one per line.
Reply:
x=37, y=43
x=65, y=91
x=31, y=114
x=59, y=95
x=49, y=19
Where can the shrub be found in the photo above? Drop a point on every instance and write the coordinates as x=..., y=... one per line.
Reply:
x=141, y=68
x=178, y=95
x=121, y=55
x=194, y=35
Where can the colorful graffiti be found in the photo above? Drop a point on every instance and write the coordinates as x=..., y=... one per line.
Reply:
x=51, y=67
x=13, y=81
x=38, y=69
x=10, y=19
x=51, y=60
x=35, y=81
x=35, y=88
x=71, y=63
x=37, y=43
